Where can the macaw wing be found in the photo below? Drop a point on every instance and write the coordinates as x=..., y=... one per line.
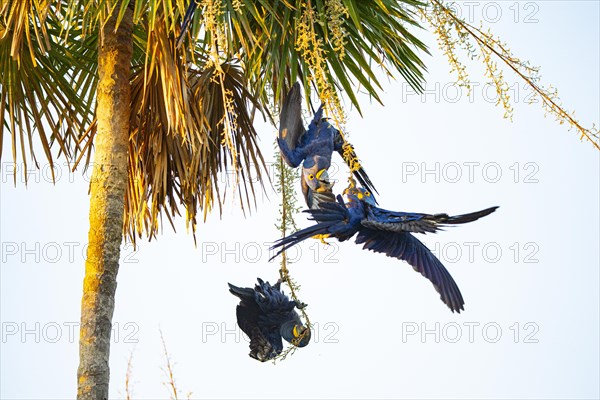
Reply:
x=318, y=198
x=291, y=128
x=314, y=199
x=272, y=301
x=392, y=221
x=248, y=315
x=332, y=219
x=404, y=246
x=397, y=221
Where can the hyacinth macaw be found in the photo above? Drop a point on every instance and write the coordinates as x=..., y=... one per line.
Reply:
x=312, y=148
x=388, y=232
x=266, y=315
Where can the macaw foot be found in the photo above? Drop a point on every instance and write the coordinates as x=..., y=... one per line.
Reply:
x=322, y=238
x=351, y=185
x=300, y=305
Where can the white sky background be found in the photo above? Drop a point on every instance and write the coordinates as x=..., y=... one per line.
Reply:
x=538, y=299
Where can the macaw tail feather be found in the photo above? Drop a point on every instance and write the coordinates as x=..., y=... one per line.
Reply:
x=328, y=215
x=360, y=174
x=242, y=293
x=364, y=180
x=464, y=218
x=189, y=14
x=301, y=235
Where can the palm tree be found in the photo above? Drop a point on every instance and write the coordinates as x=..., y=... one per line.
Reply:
x=162, y=121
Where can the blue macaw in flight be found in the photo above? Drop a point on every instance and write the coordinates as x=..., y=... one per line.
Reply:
x=267, y=315
x=312, y=148
x=388, y=232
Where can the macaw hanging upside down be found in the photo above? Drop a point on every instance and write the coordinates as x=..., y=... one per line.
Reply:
x=266, y=315
x=387, y=232
x=312, y=148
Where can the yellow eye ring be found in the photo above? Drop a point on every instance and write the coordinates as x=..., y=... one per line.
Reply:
x=367, y=193
x=311, y=177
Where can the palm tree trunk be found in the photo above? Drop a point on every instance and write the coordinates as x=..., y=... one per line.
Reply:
x=109, y=181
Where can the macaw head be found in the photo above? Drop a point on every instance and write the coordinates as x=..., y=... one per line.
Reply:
x=317, y=182
x=364, y=195
x=295, y=333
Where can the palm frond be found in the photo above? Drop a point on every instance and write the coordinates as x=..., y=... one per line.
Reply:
x=38, y=97
x=355, y=36
x=179, y=123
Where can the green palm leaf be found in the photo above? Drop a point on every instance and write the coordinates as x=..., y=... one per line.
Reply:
x=264, y=35
x=45, y=99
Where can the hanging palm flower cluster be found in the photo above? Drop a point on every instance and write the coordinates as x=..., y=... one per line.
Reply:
x=192, y=105
x=455, y=34
x=250, y=51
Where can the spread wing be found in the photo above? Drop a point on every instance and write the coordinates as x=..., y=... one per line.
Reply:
x=396, y=221
x=404, y=246
x=291, y=128
x=332, y=219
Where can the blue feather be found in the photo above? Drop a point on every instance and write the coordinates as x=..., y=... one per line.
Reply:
x=386, y=232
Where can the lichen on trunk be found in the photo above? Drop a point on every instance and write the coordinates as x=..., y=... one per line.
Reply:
x=107, y=188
